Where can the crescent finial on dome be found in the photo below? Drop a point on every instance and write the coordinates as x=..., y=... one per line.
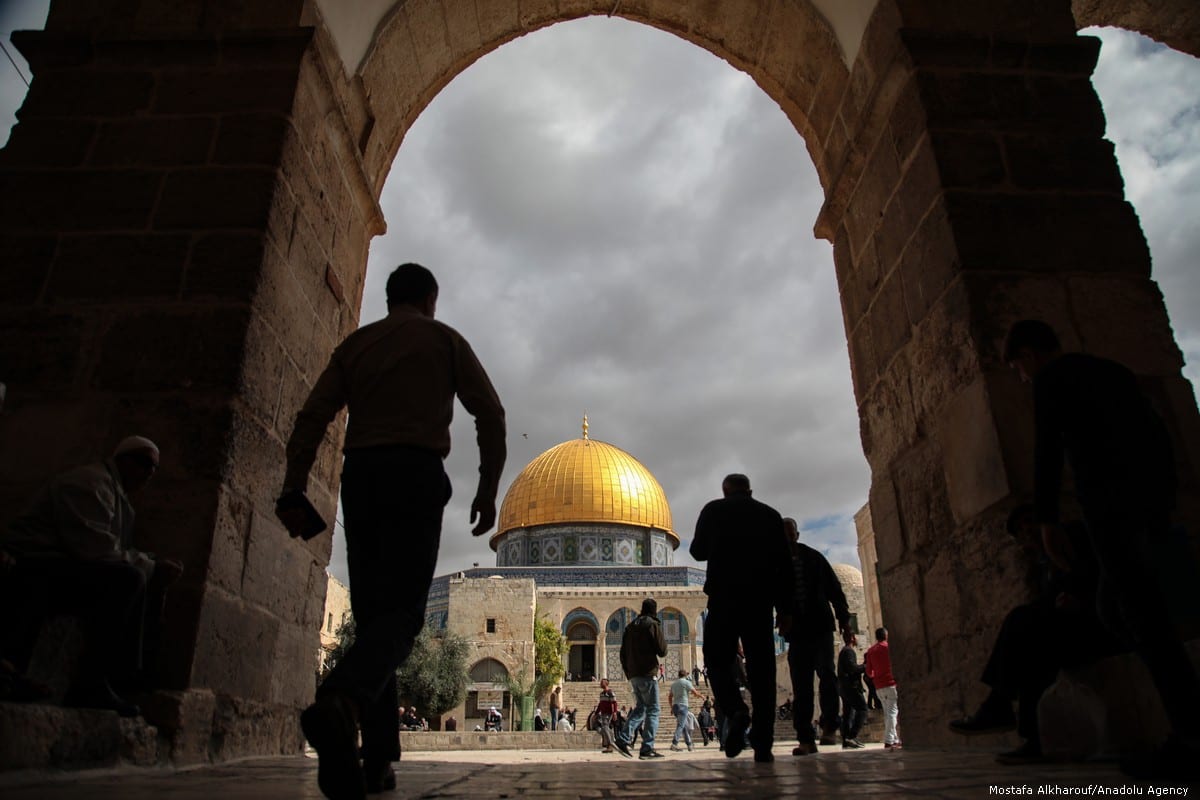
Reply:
x=585, y=425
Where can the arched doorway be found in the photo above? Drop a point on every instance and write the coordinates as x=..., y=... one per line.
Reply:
x=241, y=266
x=580, y=629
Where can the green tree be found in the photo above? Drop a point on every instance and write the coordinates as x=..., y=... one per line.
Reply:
x=549, y=647
x=434, y=676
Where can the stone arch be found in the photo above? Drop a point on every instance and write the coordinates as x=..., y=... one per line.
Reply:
x=675, y=624
x=488, y=670
x=614, y=627
x=967, y=183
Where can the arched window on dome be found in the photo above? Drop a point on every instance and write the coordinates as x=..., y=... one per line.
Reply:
x=614, y=628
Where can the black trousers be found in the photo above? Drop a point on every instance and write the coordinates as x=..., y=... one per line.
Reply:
x=813, y=652
x=1025, y=660
x=752, y=623
x=854, y=711
x=392, y=499
x=107, y=597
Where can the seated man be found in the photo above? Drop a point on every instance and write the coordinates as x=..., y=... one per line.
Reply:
x=1058, y=628
x=72, y=553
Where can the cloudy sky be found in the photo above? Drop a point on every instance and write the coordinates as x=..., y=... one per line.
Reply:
x=636, y=241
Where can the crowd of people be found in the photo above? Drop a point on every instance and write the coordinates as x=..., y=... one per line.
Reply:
x=72, y=552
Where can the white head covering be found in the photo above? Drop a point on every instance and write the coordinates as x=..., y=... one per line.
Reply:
x=132, y=444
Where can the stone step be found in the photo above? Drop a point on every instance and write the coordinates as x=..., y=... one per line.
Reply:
x=417, y=741
x=39, y=737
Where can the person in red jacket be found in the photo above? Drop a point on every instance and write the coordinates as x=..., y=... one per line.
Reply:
x=878, y=662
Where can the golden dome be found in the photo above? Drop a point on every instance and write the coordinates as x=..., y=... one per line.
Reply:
x=584, y=480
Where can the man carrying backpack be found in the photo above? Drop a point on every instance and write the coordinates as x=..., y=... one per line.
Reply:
x=641, y=646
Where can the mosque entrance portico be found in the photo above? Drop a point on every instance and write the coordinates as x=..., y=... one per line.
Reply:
x=222, y=170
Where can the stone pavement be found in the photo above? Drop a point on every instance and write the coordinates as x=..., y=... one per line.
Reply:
x=705, y=773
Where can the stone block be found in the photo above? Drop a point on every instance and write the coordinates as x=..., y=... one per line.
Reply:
x=297, y=646
x=225, y=90
x=193, y=350
x=974, y=463
x=187, y=719
x=242, y=727
x=1076, y=56
x=84, y=200
x=1125, y=319
x=118, y=267
x=225, y=266
x=42, y=352
x=1065, y=163
x=173, y=141
x=48, y=142
x=969, y=159
x=277, y=571
x=269, y=44
x=262, y=369
x=737, y=29
x=885, y=519
x=887, y=417
x=139, y=743
x=864, y=368
x=88, y=93
x=431, y=40
x=943, y=357
x=40, y=737
x=904, y=617
x=921, y=490
x=498, y=21
x=1051, y=233
x=888, y=317
x=27, y=265
x=251, y=139
x=235, y=643
x=230, y=540
x=907, y=120
x=789, y=55
x=156, y=53
x=928, y=264
x=216, y=198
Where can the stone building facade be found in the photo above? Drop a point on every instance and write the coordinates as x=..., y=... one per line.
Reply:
x=337, y=611
x=192, y=189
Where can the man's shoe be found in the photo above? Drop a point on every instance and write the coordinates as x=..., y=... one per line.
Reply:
x=675, y=748
x=648, y=754
x=852, y=744
x=764, y=756
x=101, y=696
x=988, y=719
x=735, y=736
x=623, y=749
x=893, y=746
x=1028, y=753
x=330, y=727
x=379, y=777
x=828, y=738
x=691, y=748
x=804, y=749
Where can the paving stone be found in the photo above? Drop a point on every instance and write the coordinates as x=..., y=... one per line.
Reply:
x=872, y=772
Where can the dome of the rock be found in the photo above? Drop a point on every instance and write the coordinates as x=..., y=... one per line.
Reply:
x=584, y=502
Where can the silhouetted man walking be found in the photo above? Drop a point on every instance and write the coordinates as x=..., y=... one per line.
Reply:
x=810, y=640
x=642, y=645
x=749, y=573
x=399, y=377
x=1091, y=413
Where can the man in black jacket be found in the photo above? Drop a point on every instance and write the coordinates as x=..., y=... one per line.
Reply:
x=1091, y=413
x=810, y=641
x=854, y=703
x=642, y=645
x=749, y=573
